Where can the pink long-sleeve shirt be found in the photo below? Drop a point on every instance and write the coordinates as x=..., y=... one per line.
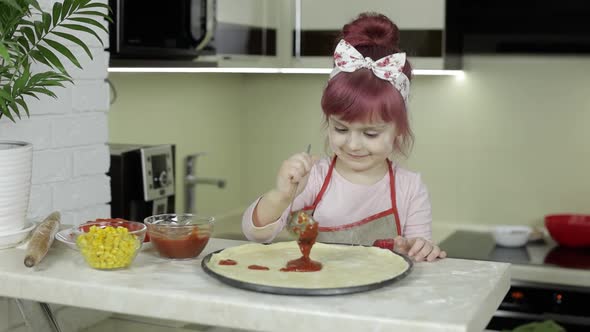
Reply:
x=345, y=202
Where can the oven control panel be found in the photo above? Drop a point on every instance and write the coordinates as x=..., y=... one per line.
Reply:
x=526, y=303
x=552, y=300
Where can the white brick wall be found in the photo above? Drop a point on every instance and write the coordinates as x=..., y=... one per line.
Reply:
x=69, y=136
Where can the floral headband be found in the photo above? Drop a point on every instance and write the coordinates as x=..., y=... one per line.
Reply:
x=389, y=68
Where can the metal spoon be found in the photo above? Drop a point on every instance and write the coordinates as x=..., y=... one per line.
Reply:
x=298, y=221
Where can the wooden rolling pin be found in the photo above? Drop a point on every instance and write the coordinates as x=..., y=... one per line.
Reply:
x=42, y=239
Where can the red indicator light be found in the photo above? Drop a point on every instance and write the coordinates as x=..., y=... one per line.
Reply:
x=517, y=295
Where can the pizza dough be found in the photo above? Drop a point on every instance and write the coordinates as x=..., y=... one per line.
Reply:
x=343, y=265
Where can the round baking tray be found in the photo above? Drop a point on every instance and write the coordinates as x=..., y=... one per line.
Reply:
x=303, y=291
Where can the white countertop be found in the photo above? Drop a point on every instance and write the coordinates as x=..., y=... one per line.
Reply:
x=448, y=295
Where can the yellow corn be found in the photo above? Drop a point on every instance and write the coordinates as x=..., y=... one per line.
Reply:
x=108, y=247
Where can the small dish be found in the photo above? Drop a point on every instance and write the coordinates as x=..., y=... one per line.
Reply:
x=14, y=238
x=179, y=236
x=67, y=237
x=512, y=236
x=109, y=244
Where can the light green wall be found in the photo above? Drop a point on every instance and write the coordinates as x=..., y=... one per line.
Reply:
x=506, y=145
x=198, y=113
x=509, y=144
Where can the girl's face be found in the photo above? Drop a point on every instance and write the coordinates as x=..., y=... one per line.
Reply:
x=361, y=146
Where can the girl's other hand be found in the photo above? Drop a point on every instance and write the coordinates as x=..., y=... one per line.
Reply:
x=418, y=248
x=294, y=171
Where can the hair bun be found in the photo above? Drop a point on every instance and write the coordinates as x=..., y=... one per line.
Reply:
x=370, y=30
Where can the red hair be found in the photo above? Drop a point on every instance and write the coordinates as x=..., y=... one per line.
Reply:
x=361, y=96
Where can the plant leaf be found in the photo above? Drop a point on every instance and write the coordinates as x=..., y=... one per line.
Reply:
x=56, y=12
x=52, y=58
x=63, y=50
x=4, y=52
x=78, y=4
x=20, y=82
x=98, y=5
x=5, y=110
x=13, y=4
x=35, y=4
x=28, y=32
x=23, y=42
x=6, y=95
x=44, y=91
x=14, y=107
x=38, y=29
x=46, y=22
x=90, y=21
x=83, y=28
x=67, y=4
x=95, y=13
x=39, y=57
x=3, y=72
x=31, y=94
x=49, y=75
x=74, y=39
x=26, y=22
x=51, y=83
x=22, y=103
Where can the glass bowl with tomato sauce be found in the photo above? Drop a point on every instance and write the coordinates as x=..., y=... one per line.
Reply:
x=179, y=236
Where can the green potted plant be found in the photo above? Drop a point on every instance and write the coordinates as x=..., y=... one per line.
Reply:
x=29, y=34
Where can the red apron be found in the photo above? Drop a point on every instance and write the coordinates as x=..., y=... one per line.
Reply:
x=382, y=225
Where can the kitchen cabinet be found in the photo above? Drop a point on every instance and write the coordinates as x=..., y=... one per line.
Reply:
x=447, y=295
x=302, y=33
x=318, y=23
x=246, y=33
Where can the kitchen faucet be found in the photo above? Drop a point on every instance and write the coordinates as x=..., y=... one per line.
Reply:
x=191, y=180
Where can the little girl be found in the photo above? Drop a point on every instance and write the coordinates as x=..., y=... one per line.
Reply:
x=359, y=195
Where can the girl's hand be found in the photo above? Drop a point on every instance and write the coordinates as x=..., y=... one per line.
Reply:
x=294, y=171
x=418, y=248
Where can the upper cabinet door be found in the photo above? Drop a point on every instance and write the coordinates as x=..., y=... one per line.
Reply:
x=246, y=33
x=316, y=25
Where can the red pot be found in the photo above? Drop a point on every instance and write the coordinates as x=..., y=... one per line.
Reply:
x=570, y=230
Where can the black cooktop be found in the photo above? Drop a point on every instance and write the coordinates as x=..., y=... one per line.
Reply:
x=544, y=252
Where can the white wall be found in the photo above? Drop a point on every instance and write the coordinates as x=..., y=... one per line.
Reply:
x=70, y=156
x=69, y=138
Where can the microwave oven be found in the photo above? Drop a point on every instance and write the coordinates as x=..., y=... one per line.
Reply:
x=153, y=29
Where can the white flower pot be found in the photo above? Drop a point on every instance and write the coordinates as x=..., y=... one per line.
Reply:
x=16, y=168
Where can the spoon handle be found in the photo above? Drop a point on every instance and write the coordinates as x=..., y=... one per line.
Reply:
x=294, y=190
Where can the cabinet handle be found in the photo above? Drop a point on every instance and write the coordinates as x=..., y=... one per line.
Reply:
x=210, y=24
x=297, y=29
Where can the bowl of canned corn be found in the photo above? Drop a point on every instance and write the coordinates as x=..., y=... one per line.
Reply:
x=110, y=244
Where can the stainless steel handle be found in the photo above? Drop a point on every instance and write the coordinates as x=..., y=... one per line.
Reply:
x=191, y=180
x=210, y=25
x=190, y=162
x=297, y=40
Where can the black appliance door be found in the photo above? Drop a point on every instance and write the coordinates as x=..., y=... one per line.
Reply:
x=151, y=29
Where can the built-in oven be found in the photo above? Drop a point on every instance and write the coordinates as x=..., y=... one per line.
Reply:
x=151, y=29
x=535, y=302
x=531, y=301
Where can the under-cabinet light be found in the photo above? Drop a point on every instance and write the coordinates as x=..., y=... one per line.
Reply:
x=261, y=70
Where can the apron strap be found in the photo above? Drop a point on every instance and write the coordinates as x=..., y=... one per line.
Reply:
x=324, y=186
x=393, y=199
